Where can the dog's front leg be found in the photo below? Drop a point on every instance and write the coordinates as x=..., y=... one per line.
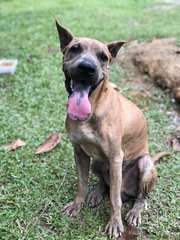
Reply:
x=115, y=227
x=82, y=164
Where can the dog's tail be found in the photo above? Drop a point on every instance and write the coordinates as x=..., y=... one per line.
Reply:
x=160, y=155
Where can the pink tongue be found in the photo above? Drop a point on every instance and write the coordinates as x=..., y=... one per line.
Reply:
x=79, y=107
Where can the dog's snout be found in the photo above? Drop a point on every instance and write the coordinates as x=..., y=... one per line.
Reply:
x=87, y=67
x=84, y=70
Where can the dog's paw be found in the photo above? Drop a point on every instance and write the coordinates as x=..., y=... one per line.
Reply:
x=114, y=228
x=71, y=209
x=94, y=199
x=133, y=218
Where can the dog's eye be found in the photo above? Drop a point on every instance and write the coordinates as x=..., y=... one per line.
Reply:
x=102, y=56
x=76, y=48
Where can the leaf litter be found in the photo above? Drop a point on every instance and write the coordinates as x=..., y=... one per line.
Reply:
x=49, y=144
x=14, y=145
x=130, y=233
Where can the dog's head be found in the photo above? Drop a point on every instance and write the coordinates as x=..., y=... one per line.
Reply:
x=85, y=65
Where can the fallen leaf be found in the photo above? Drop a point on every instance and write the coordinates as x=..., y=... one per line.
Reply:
x=14, y=145
x=130, y=233
x=29, y=58
x=116, y=87
x=146, y=109
x=46, y=160
x=49, y=144
x=52, y=50
x=4, y=85
x=20, y=225
x=10, y=202
x=175, y=143
x=141, y=94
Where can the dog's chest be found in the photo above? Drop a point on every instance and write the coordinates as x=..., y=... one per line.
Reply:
x=81, y=134
x=87, y=138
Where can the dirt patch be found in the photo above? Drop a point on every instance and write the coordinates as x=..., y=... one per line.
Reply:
x=158, y=61
x=152, y=67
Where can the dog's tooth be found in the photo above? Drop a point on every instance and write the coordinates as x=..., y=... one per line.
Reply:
x=71, y=84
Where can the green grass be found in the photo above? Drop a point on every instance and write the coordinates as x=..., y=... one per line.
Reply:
x=33, y=189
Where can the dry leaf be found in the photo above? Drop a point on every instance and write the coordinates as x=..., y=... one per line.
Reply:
x=50, y=144
x=10, y=202
x=29, y=58
x=130, y=233
x=141, y=94
x=175, y=143
x=14, y=145
x=146, y=109
x=20, y=225
x=52, y=50
x=116, y=87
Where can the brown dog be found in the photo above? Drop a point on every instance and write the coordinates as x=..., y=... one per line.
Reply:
x=106, y=127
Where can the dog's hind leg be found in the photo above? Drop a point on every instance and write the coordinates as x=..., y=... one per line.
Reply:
x=101, y=171
x=147, y=177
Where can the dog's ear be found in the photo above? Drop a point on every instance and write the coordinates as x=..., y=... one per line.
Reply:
x=114, y=48
x=65, y=37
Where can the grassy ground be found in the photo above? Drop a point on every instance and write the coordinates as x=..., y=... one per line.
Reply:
x=33, y=189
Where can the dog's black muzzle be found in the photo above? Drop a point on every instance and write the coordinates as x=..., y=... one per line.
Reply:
x=84, y=71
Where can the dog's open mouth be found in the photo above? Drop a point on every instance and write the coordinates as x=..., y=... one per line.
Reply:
x=79, y=107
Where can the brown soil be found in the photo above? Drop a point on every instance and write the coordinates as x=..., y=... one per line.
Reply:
x=153, y=67
x=157, y=61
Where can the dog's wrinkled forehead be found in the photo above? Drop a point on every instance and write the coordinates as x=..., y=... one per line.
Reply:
x=86, y=46
x=67, y=39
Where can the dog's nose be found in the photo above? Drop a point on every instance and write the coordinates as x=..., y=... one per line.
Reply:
x=87, y=67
